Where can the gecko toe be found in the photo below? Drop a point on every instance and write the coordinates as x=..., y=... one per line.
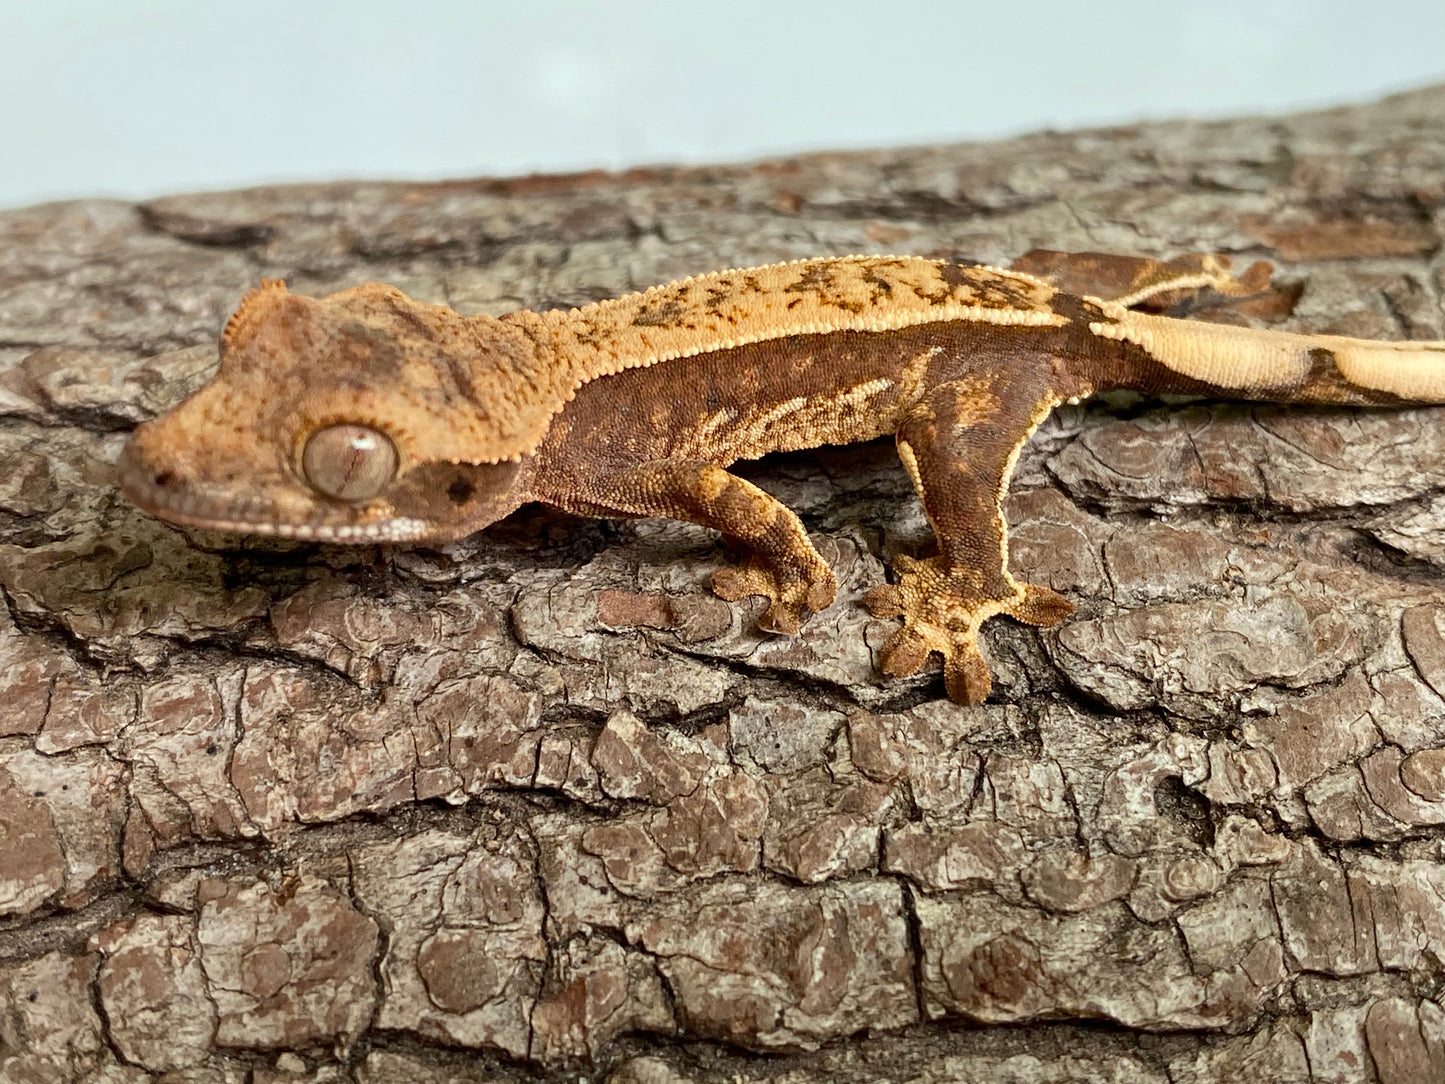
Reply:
x=885, y=600
x=822, y=590
x=966, y=676
x=792, y=593
x=965, y=672
x=732, y=584
x=781, y=618
x=942, y=611
x=905, y=653
x=1040, y=607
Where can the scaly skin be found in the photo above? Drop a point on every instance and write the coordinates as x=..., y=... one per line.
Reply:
x=366, y=416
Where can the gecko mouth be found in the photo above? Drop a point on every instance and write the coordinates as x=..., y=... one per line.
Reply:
x=158, y=493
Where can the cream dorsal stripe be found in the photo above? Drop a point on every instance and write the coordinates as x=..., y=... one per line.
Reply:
x=740, y=306
x=1242, y=358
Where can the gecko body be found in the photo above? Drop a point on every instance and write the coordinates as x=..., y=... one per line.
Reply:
x=366, y=416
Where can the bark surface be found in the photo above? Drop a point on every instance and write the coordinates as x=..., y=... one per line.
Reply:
x=540, y=805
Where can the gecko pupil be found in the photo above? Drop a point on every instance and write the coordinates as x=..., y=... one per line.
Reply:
x=349, y=462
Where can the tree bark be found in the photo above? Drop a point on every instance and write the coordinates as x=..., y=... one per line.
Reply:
x=539, y=803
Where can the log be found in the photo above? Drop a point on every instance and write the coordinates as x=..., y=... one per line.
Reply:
x=538, y=803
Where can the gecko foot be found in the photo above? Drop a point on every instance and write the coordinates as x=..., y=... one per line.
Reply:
x=942, y=610
x=792, y=591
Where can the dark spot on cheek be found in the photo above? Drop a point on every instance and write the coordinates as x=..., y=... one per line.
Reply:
x=460, y=491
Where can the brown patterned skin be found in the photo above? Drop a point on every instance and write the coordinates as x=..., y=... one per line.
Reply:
x=366, y=416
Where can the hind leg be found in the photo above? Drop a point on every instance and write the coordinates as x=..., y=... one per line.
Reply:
x=959, y=446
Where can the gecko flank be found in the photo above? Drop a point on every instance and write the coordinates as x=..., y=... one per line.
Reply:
x=366, y=416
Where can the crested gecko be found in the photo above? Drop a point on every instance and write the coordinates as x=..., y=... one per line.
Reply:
x=366, y=416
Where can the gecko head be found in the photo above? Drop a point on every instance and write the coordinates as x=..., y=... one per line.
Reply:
x=364, y=416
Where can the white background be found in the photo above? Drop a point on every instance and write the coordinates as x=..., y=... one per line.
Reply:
x=141, y=97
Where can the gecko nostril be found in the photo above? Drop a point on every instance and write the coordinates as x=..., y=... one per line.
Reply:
x=164, y=478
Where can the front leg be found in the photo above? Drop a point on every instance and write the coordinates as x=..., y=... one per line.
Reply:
x=784, y=566
x=959, y=446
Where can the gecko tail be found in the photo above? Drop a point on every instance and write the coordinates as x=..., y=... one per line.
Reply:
x=1281, y=366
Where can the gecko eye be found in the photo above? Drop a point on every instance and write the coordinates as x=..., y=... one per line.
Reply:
x=352, y=462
